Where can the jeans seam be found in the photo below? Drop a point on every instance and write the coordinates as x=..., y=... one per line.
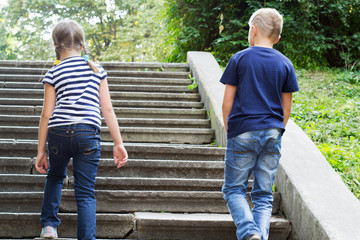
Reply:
x=272, y=153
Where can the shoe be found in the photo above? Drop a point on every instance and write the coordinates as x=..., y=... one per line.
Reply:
x=254, y=237
x=48, y=232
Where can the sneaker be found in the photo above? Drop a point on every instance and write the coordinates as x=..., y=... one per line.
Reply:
x=254, y=237
x=48, y=232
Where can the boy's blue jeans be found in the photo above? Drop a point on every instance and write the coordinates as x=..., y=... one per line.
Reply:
x=256, y=152
x=82, y=143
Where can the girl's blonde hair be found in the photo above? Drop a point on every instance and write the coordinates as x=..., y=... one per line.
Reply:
x=269, y=22
x=70, y=35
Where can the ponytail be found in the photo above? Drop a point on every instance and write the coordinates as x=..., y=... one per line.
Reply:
x=58, y=54
x=91, y=64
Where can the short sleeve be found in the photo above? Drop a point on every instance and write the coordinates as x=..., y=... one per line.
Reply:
x=103, y=73
x=230, y=74
x=291, y=84
x=49, y=78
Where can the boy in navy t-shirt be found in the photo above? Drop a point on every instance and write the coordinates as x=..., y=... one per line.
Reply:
x=256, y=107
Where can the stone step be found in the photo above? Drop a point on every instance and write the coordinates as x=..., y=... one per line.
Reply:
x=23, y=182
x=155, y=168
x=11, y=78
x=148, y=96
x=165, y=184
x=138, y=81
x=145, y=96
x=116, y=103
x=107, y=201
x=26, y=148
x=123, y=112
x=143, y=168
x=112, y=87
x=129, y=134
x=110, y=201
x=38, y=238
x=32, y=120
x=150, y=74
x=5, y=78
x=140, y=225
x=198, y=226
x=27, y=225
x=69, y=238
x=121, y=66
x=16, y=165
x=127, y=66
x=34, y=182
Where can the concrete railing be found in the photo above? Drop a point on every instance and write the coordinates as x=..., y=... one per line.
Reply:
x=207, y=73
x=314, y=197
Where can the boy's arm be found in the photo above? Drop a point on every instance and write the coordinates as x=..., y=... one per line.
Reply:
x=286, y=100
x=119, y=151
x=228, y=101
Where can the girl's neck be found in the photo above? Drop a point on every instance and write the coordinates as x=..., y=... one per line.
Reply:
x=66, y=53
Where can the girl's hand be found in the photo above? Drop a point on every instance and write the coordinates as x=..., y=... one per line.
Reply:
x=41, y=164
x=120, y=155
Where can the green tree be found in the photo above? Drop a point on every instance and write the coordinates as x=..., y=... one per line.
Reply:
x=7, y=51
x=316, y=32
x=106, y=24
x=139, y=35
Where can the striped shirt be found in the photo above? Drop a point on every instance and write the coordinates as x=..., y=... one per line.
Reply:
x=77, y=92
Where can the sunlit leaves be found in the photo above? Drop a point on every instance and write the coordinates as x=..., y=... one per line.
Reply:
x=109, y=25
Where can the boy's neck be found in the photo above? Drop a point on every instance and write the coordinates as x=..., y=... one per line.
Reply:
x=263, y=43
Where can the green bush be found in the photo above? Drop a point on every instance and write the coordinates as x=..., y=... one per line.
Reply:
x=316, y=32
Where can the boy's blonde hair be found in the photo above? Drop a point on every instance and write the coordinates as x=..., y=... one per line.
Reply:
x=268, y=21
x=69, y=34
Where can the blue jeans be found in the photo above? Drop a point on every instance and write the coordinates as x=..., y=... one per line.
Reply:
x=82, y=143
x=256, y=152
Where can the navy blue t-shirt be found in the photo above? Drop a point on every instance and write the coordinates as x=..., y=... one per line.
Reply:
x=261, y=75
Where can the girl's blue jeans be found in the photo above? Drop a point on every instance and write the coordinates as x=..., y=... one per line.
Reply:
x=256, y=152
x=81, y=142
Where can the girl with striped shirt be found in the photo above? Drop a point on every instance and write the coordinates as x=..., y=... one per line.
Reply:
x=74, y=90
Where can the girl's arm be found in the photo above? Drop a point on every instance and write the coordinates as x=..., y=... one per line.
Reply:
x=41, y=164
x=119, y=152
x=228, y=102
x=286, y=101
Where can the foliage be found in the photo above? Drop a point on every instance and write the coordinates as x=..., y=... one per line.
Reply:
x=328, y=110
x=140, y=35
x=6, y=41
x=121, y=30
x=194, y=83
x=316, y=32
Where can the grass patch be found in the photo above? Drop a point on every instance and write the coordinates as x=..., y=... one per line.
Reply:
x=327, y=108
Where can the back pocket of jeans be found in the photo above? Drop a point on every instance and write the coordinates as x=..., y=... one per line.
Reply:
x=92, y=148
x=244, y=150
x=55, y=148
x=273, y=146
x=272, y=153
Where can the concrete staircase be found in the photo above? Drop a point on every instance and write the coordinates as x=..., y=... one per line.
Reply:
x=169, y=189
